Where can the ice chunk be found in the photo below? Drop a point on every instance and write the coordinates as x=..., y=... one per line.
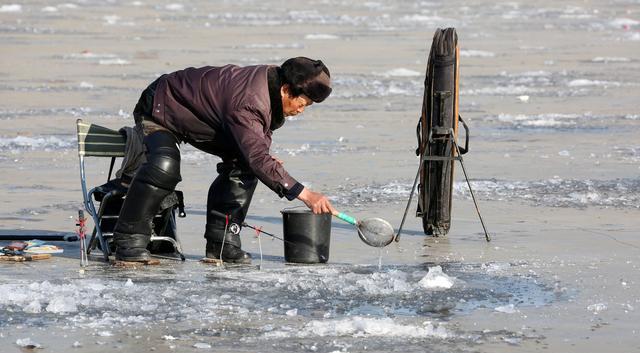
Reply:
x=435, y=278
x=292, y=312
x=129, y=283
x=364, y=326
x=34, y=307
x=597, y=308
x=202, y=345
x=27, y=343
x=62, y=305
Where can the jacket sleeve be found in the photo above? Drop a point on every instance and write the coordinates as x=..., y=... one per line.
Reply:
x=246, y=126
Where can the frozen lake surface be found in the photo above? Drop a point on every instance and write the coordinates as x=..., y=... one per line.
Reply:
x=549, y=90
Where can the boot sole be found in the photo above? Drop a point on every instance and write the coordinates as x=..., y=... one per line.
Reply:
x=142, y=259
x=231, y=261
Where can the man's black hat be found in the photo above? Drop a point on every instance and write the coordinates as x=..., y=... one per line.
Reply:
x=307, y=76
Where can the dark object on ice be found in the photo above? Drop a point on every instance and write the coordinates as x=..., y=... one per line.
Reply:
x=98, y=141
x=28, y=234
x=307, y=236
x=437, y=134
x=439, y=118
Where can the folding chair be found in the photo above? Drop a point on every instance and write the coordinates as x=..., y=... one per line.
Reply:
x=98, y=141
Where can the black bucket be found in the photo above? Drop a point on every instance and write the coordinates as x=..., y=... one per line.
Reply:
x=306, y=236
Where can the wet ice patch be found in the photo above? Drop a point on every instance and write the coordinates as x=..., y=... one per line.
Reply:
x=436, y=279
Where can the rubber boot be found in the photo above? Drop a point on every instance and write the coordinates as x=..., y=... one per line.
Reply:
x=133, y=230
x=231, y=249
x=155, y=179
x=229, y=194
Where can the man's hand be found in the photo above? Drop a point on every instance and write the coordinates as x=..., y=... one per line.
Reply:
x=280, y=161
x=317, y=202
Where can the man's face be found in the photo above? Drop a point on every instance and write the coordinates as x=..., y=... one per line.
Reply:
x=293, y=105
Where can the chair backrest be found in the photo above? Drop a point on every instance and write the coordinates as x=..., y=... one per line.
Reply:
x=98, y=141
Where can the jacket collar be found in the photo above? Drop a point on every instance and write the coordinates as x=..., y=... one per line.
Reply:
x=274, y=83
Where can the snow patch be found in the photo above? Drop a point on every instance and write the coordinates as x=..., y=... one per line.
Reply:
x=174, y=7
x=320, y=36
x=11, y=8
x=399, y=72
x=476, y=54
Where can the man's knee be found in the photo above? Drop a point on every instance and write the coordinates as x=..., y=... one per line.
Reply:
x=162, y=168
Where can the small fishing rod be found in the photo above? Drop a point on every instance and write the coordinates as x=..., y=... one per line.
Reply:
x=245, y=224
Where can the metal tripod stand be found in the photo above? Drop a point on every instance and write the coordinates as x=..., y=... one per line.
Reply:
x=449, y=135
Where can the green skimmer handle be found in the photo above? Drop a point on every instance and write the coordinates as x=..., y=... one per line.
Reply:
x=346, y=218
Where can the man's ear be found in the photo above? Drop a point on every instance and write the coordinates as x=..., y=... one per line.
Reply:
x=285, y=90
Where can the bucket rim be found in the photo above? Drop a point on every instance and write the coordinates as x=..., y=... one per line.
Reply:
x=296, y=210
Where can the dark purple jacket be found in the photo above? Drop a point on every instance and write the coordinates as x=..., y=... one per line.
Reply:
x=227, y=109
